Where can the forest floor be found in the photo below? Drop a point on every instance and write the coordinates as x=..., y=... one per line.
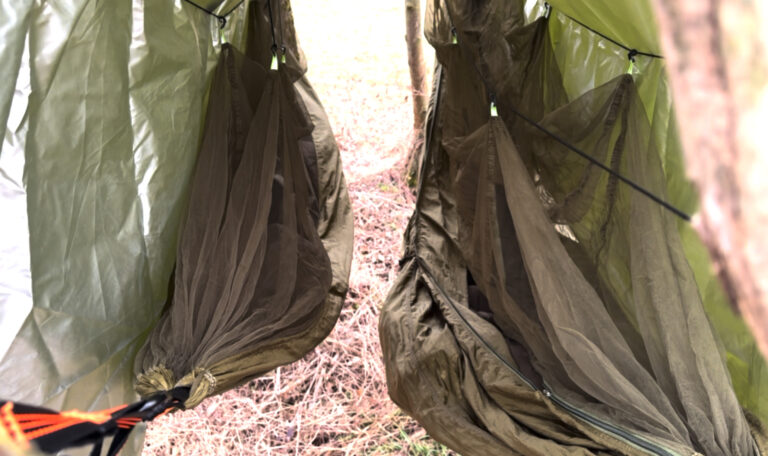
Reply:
x=335, y=401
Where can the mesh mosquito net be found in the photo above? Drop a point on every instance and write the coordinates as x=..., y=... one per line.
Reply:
x=264, y=254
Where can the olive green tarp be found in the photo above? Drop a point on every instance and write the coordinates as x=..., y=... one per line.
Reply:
x=105, y=112
x=545, y=307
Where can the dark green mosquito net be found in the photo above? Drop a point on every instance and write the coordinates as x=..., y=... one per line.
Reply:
x=263, y=258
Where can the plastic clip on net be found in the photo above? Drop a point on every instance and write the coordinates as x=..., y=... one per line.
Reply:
x=631, y=56
x=222, y=24
x=273, y=65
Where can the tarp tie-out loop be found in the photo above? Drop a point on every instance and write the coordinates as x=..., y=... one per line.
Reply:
x=222, y=18
x=631, y=56
x=547, y=10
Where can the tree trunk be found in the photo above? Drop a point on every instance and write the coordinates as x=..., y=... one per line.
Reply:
x=418, y=86
x=716, y=61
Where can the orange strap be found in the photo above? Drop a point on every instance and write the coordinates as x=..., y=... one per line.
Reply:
x=22, y=425
x=11, y=433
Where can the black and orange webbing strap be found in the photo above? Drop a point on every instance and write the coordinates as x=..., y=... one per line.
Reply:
x=24, y=426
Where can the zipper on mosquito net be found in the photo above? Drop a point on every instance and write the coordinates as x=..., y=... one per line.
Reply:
x=631, y=439
x=471, y=328
x=625, y=436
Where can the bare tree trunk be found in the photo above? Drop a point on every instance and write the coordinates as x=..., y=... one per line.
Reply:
x=716, y=57
x=419, y=86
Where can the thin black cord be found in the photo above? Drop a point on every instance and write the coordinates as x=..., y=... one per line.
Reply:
x=282, y=30
x=232, y=10
x=596, y=162
x=632, y=52
x=280, y=26
x=209, y=12
x=221, y=18
x=581, y=153
x=272, y=27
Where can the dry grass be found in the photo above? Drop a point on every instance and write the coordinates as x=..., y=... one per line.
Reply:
x=334, y=401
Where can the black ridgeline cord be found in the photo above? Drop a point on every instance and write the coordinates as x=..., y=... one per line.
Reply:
x=232, y=10
x=280, y=26
x=282, y=29
x=631, y=51
x=597, y=163
x=222, y=18
x=272, y=28
x=572, y=148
